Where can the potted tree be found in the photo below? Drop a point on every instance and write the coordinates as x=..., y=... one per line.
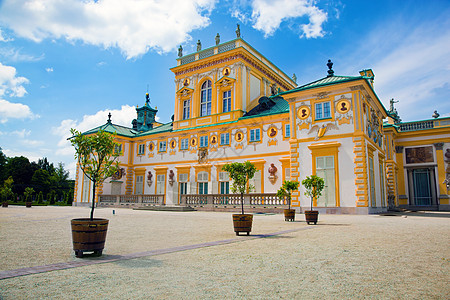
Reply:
x=97, y=159
x=28, y=196
x=6, y=191
x=314, y=186
x=241, y=173
x=285, y=191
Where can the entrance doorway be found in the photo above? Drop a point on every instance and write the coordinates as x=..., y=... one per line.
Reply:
x=422, y=186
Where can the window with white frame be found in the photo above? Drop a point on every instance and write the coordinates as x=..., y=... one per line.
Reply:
x=183, y=178
x=323, y=110
x=118, y=148
x=226, y=101
x=224, y=183
x=256, y=182
x=186, y=109
x=139, y=186
x=160, y=184
x=287, y=174
x=184, y=144
x=325, y=170
x=287, y=130
x=205, y=99
x=255, y=135
x=141, y=149
x=162, y=146
x=225, y=138
x=202, y=180
x=204, y=141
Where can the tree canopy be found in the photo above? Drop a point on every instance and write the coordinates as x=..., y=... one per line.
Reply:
x=240, y=173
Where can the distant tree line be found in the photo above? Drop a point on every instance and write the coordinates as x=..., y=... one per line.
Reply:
x=39, y=182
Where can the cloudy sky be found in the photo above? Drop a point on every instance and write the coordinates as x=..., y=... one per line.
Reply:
x=68, y=63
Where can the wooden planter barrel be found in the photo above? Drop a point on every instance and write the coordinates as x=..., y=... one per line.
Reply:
x=89, y=236
x=311, y=216
x=28, y=204
x=289, y=215
x=242, y=223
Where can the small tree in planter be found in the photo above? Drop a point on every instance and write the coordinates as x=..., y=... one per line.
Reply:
x=28, y=196
x=241, y=173
x=97, y=159
x=6, y=191
x=285, y=191
x=314, y=186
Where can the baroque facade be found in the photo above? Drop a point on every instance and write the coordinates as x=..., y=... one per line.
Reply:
x=233, y=104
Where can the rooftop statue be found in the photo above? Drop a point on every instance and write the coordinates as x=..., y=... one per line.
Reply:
x=180, y=51
x=217, y=39
x=238, y=31
x=199, y=46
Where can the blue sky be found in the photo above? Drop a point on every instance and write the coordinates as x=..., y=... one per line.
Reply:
x=66, y=64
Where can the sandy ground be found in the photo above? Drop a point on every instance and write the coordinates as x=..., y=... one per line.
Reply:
x=343, y=257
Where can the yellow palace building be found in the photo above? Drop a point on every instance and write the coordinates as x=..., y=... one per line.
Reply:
x=233, y=104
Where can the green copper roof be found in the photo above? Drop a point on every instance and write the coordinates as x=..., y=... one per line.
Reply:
x=329, y=80
x=114, y=128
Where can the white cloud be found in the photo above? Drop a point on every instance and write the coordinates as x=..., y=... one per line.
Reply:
x=10, y=84
x=22, y=133
x=3, y=38
x=15, y=55
x=122, y=116
x=133, y=26
x=267, y=16
x=49, y=70
x=32, y=156
x=9, y=110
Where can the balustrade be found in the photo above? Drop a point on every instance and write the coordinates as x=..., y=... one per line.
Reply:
x=133, y=200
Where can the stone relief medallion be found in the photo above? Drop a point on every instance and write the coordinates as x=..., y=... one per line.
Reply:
x=173, y=144
x=213, y=140
x=186, y=81
x=226, y=71
x=343, y=106
x=272, y=131
x=151, y=146
x=239, y=136
x=303, y=112
x=193, y=142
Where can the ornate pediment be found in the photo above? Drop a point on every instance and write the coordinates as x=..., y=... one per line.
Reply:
x=225, y=81
x=185, y=92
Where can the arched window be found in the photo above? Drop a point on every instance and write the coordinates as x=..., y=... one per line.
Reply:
x=205, y=100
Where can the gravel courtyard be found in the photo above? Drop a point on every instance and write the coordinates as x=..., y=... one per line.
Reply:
x=401, y=256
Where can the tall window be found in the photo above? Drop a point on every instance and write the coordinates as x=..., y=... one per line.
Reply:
x=254, y=135
x=224, y=180
x=141, y=149
x=186, y=109
x=225, y=138
x=205, y=102
x=118, y=148
x=160, y=184
x=203, y=141
x=162, y=146
x=202, y=179
x=325, y=170
x=184, y=144
x=323, y=110
x=287, y=130
x=373, y=201
x=382, y=172
x=227, y=101
x=86, y=189
x=256, y=182
x=183, y=183
x=139, y=185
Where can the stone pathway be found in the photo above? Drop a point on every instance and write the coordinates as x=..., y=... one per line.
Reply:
x=112, y=258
